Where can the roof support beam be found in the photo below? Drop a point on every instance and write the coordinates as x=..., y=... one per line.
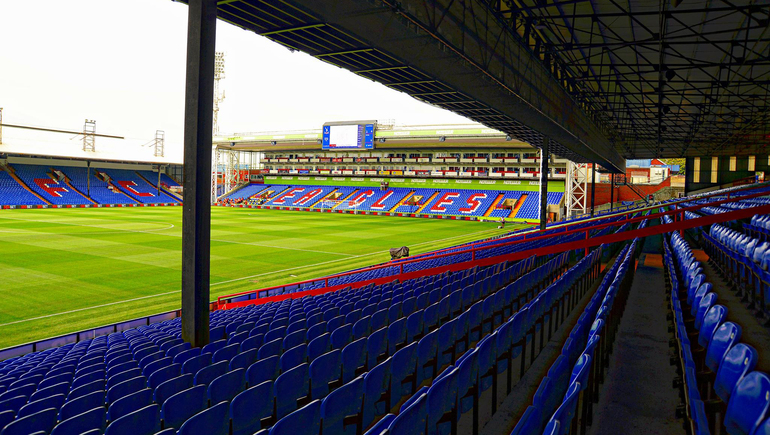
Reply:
x=196, y=213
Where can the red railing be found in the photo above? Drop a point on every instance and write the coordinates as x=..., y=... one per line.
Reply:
x=679, y=224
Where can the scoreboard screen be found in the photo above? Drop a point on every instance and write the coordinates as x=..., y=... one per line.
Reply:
x=350, y=136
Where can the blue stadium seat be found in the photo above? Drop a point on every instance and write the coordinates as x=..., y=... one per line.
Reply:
x=248, y=409
x=226, y=387
x=128, y=404
x=56, y=401
x=183, y=405
x=209, y=373
x=82, y=423
x=711, y=321
x=353, y=359
x=411, y=420
x=289, y=388
x=737, y=363
x=304, y=421
x=74, y=394
x=724, y=338
x=226, y=353
x=263, y=370
x=442, y=401
x=748, y=404
x=377, y=397
x=325, y=372
x=164, y=374
x=341, y=409
x=40, y=421
x=145, y=421
x=403, y=368
x=125, y=388
x=293, y=357
x=81, y=405
x=171, y=387
x=212, y=421
x=196, y=363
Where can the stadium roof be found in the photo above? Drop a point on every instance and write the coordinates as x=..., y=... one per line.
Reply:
x=387, y=137
x=666, y=79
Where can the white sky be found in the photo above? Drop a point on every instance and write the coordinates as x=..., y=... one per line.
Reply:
x=122, y=63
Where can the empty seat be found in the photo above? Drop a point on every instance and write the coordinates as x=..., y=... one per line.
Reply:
x=289, y=388
x=304, y=421
x=263, y=370
x=41, y=421
x=81, y=405
x=183, y=405
x=56, y=401
x=249, y=408
x=226, y=387
x=145, y=421
x=748, y=404
x=130, y=403
x=171, y=387
x=339, y=407
x=212, y=421
x=325, y=373
x=82, y=423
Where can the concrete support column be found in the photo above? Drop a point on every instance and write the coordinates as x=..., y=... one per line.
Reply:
x=593, y=186
x=612, y=189
x=196, y=216
x=544, y=156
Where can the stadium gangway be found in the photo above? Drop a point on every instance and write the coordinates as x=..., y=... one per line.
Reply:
x=680, y=224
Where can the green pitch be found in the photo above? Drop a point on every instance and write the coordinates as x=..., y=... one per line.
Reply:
x=65, y=270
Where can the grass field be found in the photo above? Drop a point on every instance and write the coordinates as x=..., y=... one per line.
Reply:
x=64, y=270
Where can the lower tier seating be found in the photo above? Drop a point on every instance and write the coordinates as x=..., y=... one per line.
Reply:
x=721, y=391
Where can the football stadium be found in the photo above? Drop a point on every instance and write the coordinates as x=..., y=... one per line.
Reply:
x=434, y=217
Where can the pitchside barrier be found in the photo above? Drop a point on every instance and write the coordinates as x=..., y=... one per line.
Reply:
x=223, y=302
x=370, y=213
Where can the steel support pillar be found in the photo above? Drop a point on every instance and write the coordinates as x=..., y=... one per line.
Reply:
x=544, y=156
x=593, y=186
x=612, y=189
x=196, y=216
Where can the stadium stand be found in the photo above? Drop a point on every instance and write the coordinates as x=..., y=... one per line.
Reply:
x=39, y=179
x=101, y=191
x=133, y=185
x=377, y=355
x=12, y=193
x=313, y=361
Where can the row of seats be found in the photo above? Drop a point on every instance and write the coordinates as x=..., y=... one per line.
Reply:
x=721, y=390
x=38, y=179
x=438, y=406
x=12, y=193
x=743, y=260
x=442, y=201
x=576, y=374
x=136, y=187
x=571, y=386
x=96, y=189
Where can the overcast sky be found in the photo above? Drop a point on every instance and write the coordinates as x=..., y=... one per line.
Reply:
x=122, y=63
